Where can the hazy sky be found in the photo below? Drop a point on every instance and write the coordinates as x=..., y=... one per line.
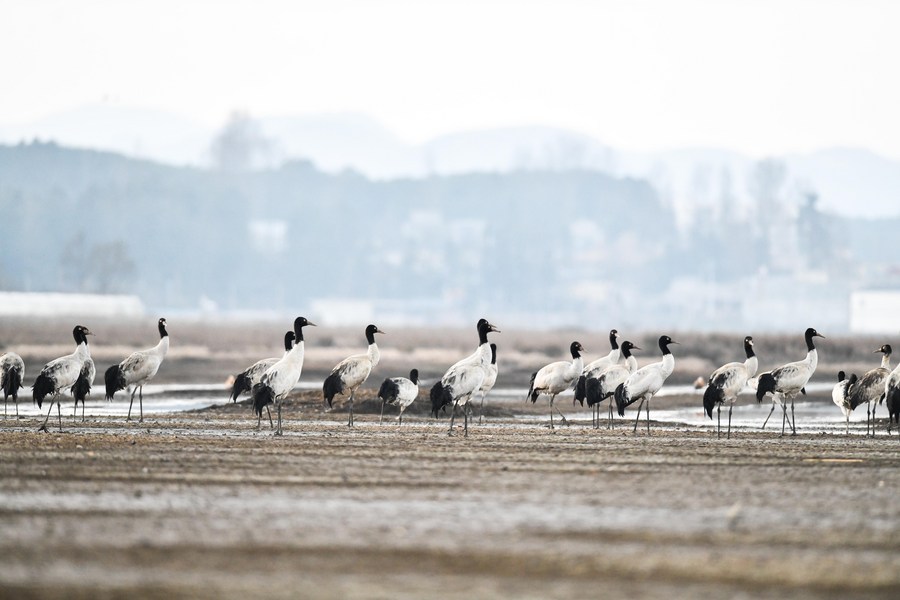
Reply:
x=757, y=76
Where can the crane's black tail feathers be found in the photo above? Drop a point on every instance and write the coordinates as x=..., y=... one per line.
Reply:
x=892, y=399
x=241, y=384
x=592, y=391
x=262, y=395
x=766, y=385
x=388, y=391
x=12, y=383
x=332, y=386
x=43, y=387
x=115, y=381
x=440, y=398
x=580, y=392
x=81, y=389
x=712, y=396
x=532, y=393
x=623, y=400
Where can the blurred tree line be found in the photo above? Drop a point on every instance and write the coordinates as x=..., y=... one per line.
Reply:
x=80, y=220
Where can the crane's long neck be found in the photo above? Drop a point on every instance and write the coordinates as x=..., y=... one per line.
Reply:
x=577, y=365
x=668, y=363
x=631, y=363
x=812, y=359
x=295, y=356
x=83, y=351
x=752, y=365
x=886, y=362
x=163, y=346
x=374, y=354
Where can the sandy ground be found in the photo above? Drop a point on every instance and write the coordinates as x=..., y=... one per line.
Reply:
x=202, y=505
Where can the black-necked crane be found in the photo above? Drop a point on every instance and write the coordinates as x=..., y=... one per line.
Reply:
x=12, y=371
x=399, y=391
x=82, y=388
x=892, y=397
x=727, y=382
x=463, y=379
x=557, y=377
x=279, y=379
x=352, y=372
x=490, y=380
x=645, y=382
x=596, y=367
x=870, y=387
x=246, y=379
x=841, y=396
x=61, y=373
x=788, y=381
x=137, y=369
x=602, y=386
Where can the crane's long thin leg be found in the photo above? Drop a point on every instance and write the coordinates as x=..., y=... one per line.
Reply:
x=466, y=420
x=771, y=410
x=647, y=411
x=43, y=426
x=609, y=423
x=793, y=420
x=783, y=417
x=141, y=403
x=75, y=412
x=481, y=409
x=452, y=416
x=847, y=431
x=381, y=420
x=728, y=435
x=279, y=431
x=130, y=404
x=268, y=412
x=259, y=419
x=82, y=411
x=561, y=416
x=719, y=424
x=350, y=420
x=551, y=412
x=640, y=406
x=5, y=399
x=59, y=415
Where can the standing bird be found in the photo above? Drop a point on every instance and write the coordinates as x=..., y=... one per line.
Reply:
x=557, y=377
x=840, y=394
x=463, y=378
x=61, y=373
x=244, y=381
x=279, y=379
x=596, y=367
x=82, y=387
x=892, y=397
x=787, y=381
x=603, y=386
x=399, y=391
x=870, y=387
x=726, y=383
x=645, y=382
x=490, y=379
x=136, y=370
x=12, y=371
x=352, y=372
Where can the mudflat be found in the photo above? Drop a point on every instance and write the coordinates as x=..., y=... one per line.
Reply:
x=203, y=505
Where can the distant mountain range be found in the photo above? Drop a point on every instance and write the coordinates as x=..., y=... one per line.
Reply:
x=848, y=181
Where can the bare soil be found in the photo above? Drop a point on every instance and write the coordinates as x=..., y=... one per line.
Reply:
x=203, y=505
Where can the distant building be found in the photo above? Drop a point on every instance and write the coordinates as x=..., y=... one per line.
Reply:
x=875, y=311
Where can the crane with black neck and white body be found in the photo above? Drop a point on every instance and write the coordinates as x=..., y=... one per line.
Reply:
x=61, y=373
x=137, y=369
x=352, y=372
x=788, y=381
x=645, y=382
x=557, y=377
x=464, y=378
x=727, y=382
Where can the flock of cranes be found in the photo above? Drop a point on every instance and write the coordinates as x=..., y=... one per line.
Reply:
x=613, y=377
